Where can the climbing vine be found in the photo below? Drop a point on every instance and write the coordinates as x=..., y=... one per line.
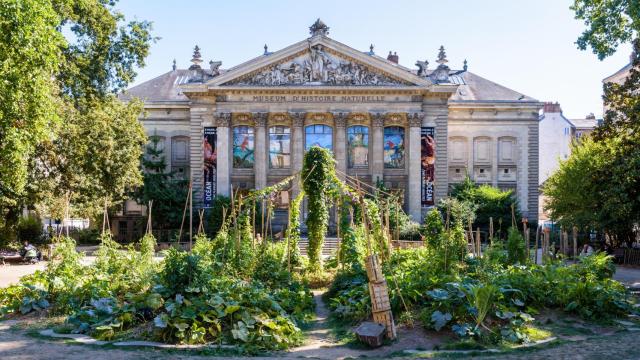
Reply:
x=293, y=231
x=319, y=182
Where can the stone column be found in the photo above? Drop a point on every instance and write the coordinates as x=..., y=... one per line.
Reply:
x=414, y=204
x=341, y=143
x=494, y=163
x=377, y=161
x=223, y=122
x=297, y=148
x=260, y=150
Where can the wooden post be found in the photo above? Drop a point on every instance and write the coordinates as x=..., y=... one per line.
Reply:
x=190, y=215
x=491, y=230
x=575, y=242
x=535, y=254
x=471, y=238
x=478, y=242
x=525, y=229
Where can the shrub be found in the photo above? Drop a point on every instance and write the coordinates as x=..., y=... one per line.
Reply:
x=516, y=249
x=30, y=229
x=221, y=205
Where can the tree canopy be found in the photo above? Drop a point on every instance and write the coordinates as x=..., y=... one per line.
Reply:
x=63, y=132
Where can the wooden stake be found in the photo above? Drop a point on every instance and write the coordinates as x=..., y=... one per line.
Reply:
x=190, y=215
x=491, y=230
x=575, y=242
x=478, y=241
x=472, y=239
x=535, y=255
x=184, y=213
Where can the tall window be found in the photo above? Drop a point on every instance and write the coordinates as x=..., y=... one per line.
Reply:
x=318, y=135
x=279, y=147
x=394, y=147
x=243, y=147
x=358, y=143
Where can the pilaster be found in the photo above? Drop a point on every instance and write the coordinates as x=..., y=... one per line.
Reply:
x=223, y=122
x=377, y=161
x=341, y=144
x=297, y=148
x=260, y=150
x=414, y=205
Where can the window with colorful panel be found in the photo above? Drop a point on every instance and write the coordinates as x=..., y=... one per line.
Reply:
x=279, y=147
x=393, y=147
x=243, y=147
x=358, y=146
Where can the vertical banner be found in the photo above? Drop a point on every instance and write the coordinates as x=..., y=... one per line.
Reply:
x=428, y=165
x=210, y=165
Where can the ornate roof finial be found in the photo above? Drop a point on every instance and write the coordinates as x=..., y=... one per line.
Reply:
x=174, y=65
x=319, y=28
x=464, y=65
x=266, y=50
x=442, y=56
x=371, y=50
x=196, y=59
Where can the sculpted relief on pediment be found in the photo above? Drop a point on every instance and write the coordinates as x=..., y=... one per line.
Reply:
x=317, y=66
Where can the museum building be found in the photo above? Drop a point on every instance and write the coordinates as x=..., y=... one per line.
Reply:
x=417, y=130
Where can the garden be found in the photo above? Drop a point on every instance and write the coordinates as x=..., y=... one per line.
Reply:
x=247, y=292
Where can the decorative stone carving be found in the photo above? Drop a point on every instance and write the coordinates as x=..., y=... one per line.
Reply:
x=398, y=119
x=223, y=119
x=378, y=120
x=279, y=119
x=298, y=118
x=221, y=98
x=422, y=67
x=317, y=67
x=319, y=28
x=340, y=119
x=260, y=118
x=215, y=67
x=243, y=119
x=415, y=119
x=358, y=118
x=319, y=118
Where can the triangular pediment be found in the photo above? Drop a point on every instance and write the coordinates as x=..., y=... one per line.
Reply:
x=318, y=61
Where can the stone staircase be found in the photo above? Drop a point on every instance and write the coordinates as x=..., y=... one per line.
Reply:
x=329, y=249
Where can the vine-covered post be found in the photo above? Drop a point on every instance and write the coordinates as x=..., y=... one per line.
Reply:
x=318, y=174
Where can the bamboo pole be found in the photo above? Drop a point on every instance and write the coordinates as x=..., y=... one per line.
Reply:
x=478, y=241
x=535, y=255
x=190, y=215
x=184, y=213
x=575, y=242
x=472, y=239
x=491, y=230
x=525, y=227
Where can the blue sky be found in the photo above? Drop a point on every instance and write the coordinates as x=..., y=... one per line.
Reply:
x=528, y=46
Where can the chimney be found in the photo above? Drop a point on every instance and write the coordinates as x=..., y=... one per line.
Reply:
x=550, y=107
x=393, y=57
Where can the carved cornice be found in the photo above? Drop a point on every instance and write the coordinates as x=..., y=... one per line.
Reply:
x=298, y=118
x=242, y=119
x=358, y=118
x=415, y=119
x=340, y=119
x=319, y=118
x=282, y=119
x=223, y=119
x=395, y=119
x=260, y=118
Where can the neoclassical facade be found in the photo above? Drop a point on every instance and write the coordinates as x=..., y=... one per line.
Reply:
x=417, y=130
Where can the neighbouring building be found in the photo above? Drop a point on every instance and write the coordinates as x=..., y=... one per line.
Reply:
x=417, y=130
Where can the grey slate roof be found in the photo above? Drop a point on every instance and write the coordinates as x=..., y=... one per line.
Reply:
x=472, y=88
x=584, y=123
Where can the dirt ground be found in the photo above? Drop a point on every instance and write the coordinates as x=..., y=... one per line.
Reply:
x=19, y=344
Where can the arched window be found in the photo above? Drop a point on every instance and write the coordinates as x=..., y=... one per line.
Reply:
x=279, y=147
x=318, y=135
x=243, y=147
x=358, y=144
x=394, y=147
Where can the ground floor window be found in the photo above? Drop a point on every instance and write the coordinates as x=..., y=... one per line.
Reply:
x=318, y=135
x=243, y=147
x=394, y=147
x=358, y=145
x=279, y=147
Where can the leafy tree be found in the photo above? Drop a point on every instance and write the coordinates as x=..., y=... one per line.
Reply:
x=167, y=192
x=30, y=48
x=62, y=63
x=609, y=24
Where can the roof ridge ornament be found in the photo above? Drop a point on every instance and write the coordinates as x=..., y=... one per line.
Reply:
x=174, y=66
x=422, y=67
x=196, y=59
x=442, y=56
x=371, y=50
x=465, y=66
x=441, y=73
x=319, y=28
